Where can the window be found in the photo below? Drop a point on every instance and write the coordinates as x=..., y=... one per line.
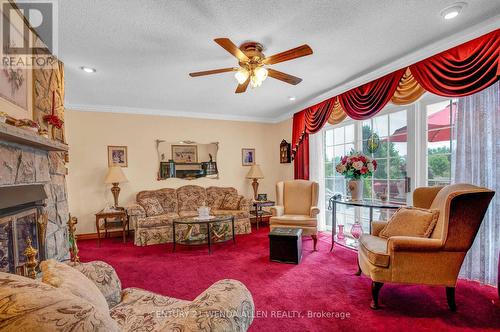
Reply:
x=414, y=150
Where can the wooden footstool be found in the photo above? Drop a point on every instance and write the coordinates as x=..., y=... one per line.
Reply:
x=285, y=245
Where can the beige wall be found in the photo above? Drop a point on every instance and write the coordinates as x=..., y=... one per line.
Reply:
x=89, y=133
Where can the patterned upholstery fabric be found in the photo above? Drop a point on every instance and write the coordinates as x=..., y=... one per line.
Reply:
x=104, y=277
x=152, y=206
x=141, y=310
x=191, y=198
x=231, y=202
x=30, y=305
x=67, y=278
x=158, y=229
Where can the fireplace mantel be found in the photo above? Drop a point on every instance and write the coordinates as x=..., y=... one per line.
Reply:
x=13, y=134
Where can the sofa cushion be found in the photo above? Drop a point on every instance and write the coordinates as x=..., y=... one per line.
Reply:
x=159, y=220
x=296, y=220
x=152, y=206
x=104, y=277
x=236, y=213
x=231, y=202
x=141, y=310
x=375, y=248
x=166, y=196
x=63, y=276
x=190, y=197
x=31, y=305
x=215, y=195
x=410, y=221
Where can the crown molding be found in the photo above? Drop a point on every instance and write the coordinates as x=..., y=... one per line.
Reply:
x=169, y=113
x=355, y=81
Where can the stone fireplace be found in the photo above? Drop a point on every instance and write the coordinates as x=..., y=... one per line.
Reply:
x=28, y=159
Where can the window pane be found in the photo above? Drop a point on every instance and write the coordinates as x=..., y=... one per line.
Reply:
x=380, y=125
x=367, y=129
x=438, y=115
x=349, y=133
x=379, y=187
x=338, y=134
x=382, y=151
x=329, y=154
x=329, y=137
x=381, y=172
x=329, y=170
x=397, y=168
x=349, y=148
x=339, y=152
x=398, y=191
x=397, y=123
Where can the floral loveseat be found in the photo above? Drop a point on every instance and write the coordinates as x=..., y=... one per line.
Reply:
x=88, y=297
x=155, y=210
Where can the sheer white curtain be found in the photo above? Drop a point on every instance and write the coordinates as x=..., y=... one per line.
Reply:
x=317, y=172
x=477, y=161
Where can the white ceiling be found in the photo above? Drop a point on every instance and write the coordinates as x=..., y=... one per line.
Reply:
x=144, y=50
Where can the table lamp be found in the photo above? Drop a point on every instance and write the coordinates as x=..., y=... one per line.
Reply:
x=255, y=173
x=115, y=176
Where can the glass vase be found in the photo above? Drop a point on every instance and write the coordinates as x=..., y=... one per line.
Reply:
x=356, y=230
x=340, y=234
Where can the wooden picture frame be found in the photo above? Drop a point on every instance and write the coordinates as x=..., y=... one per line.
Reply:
x=185, y=153
x=247, y=156
x=117, y=155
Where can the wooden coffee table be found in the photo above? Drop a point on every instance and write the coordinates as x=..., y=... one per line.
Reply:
x=258, y=212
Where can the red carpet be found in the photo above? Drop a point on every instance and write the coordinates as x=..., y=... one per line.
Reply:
x=323, y=283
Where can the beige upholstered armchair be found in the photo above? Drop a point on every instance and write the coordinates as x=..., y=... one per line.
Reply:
x=428, y=261
x=296, y=207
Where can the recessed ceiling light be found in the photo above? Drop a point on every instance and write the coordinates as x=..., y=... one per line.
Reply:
x=452, y=11
x=291, y=98
x=88, y=69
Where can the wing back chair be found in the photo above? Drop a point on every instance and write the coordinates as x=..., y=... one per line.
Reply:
x=428, y=261
x=296, y=207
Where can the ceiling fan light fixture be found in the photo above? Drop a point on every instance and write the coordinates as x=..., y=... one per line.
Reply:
x=261, y=73
x=241, y=75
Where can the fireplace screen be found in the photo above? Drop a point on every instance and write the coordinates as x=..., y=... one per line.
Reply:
x=14, y=231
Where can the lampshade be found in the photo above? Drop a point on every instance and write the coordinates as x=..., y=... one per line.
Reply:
x=255, y=172
x=115, y=175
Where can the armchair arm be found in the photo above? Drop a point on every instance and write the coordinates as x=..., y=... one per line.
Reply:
x=104, y=277
x=245, y=204
x=410, y=243
x=227, y=305
x=377, y=227
x=135, y=210
x=314, y=211
x=277, y=210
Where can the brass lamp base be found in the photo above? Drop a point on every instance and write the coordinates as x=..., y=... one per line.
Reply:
x=255, y=186
x=116, y=192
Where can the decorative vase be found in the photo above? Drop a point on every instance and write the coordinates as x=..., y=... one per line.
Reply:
x=356, y=230
x=340, y=234
x=356, y=189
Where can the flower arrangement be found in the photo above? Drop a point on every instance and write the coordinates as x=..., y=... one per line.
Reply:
x=356, y=165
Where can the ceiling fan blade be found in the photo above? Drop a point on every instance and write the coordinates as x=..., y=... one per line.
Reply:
x=229, y=46
x=283, y=77
x=288, y=55
x=211, y=72
x=242, y=87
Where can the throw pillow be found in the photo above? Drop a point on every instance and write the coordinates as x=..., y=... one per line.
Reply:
x=152, y=206
x=411, y=221
x=63, y=276
x=231, y=202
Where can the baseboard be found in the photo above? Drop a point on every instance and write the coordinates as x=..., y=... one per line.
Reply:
x=93, y=236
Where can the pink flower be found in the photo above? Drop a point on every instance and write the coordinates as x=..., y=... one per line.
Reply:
x=364, y=170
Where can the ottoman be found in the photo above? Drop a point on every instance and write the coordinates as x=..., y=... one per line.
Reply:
x=285, y=245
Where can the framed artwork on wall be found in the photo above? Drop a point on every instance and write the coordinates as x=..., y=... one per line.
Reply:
x=247, y=156
x=117, y=155
x=185, y=153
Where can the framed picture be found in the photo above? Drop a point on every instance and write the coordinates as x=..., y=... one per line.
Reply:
x=117, y=155
x=247, y=156
x=185, y=153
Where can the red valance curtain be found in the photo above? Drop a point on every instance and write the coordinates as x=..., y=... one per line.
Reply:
x=460, y=71
x=367, y=100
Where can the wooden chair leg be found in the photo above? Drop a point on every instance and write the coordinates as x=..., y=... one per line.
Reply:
x=376, y=286
x=315, y=241
x=358, y=273
x=450, y=297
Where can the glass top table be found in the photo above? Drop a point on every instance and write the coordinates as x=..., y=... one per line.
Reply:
x=370, y=204
x=213, y=229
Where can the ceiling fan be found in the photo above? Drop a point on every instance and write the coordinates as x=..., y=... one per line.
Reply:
x=252, y=64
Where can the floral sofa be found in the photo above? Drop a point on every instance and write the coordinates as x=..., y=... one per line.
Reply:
x=88, y=297
x=155, y=210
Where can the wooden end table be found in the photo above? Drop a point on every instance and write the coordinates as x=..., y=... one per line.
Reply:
x=120, y=219
x=258, y=212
